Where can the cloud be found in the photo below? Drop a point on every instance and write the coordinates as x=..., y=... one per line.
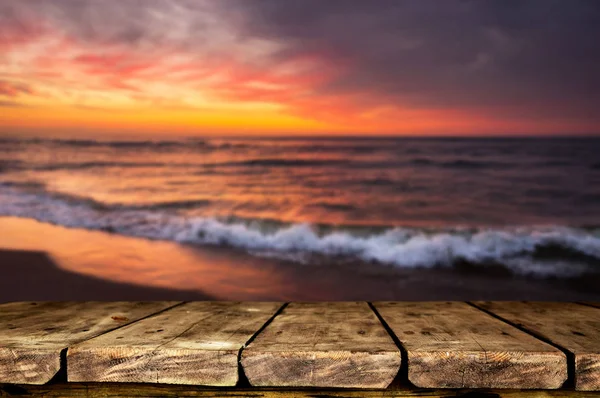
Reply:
x=14, y=89
x=145, y=25
x=11, y=104
x=345, y=61
x=448, y=54
x=122, y=45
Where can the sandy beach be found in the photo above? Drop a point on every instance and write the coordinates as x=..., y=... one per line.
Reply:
x=35, y=276
x=46, y=262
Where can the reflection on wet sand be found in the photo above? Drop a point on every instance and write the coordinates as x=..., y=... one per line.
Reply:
x=35, y=276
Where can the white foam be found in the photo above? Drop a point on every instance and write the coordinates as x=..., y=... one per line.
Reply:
x=408, y=248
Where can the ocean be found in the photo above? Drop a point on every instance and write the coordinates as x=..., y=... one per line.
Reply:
x=530, y=207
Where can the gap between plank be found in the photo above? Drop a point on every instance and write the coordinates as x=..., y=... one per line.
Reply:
x=242, y=379
x=402, y=376
x=570, y=382
x=61, y=375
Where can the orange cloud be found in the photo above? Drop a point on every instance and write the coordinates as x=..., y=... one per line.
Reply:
x=14, y=89
x=189, y=69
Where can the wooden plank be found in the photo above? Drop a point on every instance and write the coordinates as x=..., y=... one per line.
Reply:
x=592, y=304
x=323, y=345
x=170, y=391
x=453, y=345
x=196, y=343
x=574, y=327
x=33, y=335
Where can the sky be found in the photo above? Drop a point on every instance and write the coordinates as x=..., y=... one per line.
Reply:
x=273, y=67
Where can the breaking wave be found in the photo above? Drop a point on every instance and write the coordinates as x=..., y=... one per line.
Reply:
x=550, y=251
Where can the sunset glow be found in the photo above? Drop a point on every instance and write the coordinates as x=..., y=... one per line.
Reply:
x=230, y=67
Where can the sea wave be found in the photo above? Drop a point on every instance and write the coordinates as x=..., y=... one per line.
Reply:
x=458, y=163
x=28, y=192
x=9, y=165
x=154, y=145
x=93, y=165
x=548, y=251
x=283, y=162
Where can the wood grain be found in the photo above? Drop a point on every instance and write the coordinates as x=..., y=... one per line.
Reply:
x=161, y=390
x=33, y=334
x=453, y=345
x=196, y=343
x=574, y=327
x=323, y=345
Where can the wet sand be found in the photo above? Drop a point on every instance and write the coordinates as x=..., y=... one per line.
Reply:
x=45, y=262
x=31, y=275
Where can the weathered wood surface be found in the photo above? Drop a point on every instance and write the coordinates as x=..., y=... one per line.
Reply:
x=453, y=345
x=574, y=327
x=196, y=343
x=323, y=345
x=33, y=334
x=170, y=391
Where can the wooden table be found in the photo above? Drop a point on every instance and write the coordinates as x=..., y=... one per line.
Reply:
x=351, y=349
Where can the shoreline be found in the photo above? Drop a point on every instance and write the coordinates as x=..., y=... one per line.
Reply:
x=59, y=263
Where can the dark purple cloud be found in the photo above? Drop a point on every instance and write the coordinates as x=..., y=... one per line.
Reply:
x=537, y=57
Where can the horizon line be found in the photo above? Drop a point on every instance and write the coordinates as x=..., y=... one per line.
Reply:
x=160, y=137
